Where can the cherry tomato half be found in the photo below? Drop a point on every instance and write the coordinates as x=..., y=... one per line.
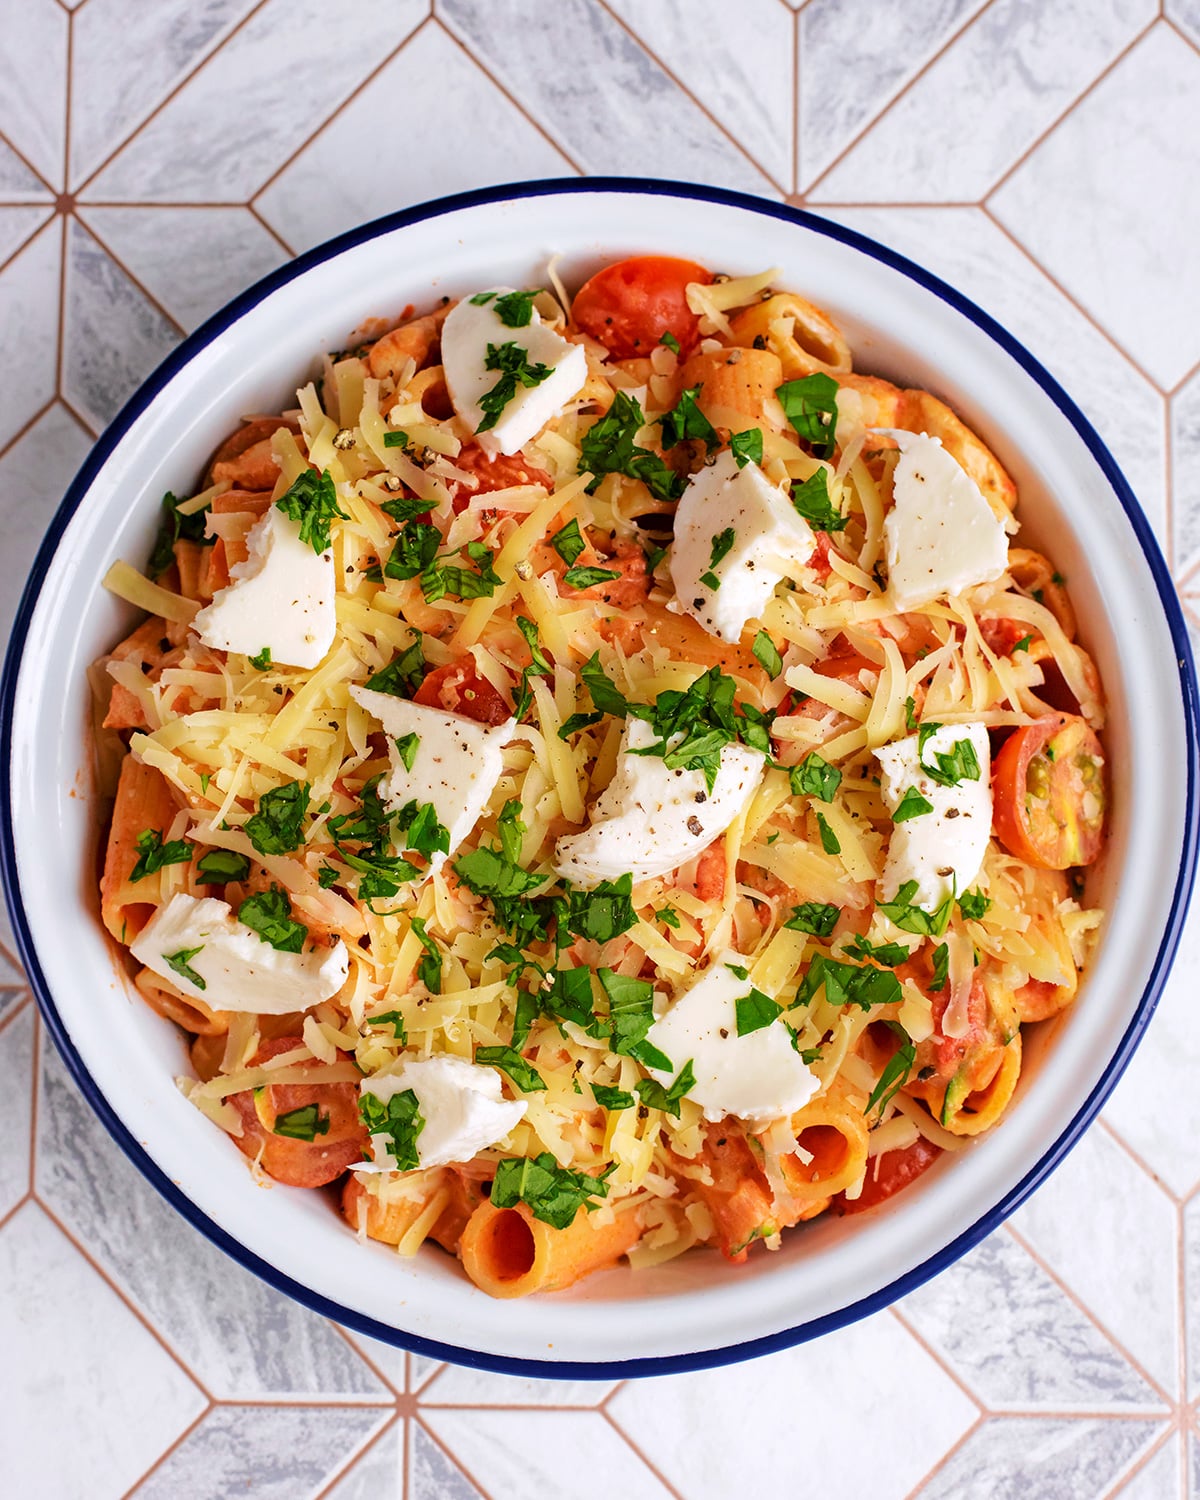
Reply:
x=458, y=688
x=896, y=1171
x=630, y=305
x=1049, y=789
x=500, y=472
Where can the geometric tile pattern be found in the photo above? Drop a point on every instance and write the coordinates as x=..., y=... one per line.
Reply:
x=154, y=159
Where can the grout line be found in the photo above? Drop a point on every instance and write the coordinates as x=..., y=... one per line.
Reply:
x=654, y=1469
x=120, y=264
x=891, y=104
x=349, y=99
x=1071, y=298
x=1139, y=1161
x=1119, y=58
x=68, y=96
x=1183, y=380
x=453, y=1457
x=167, y=1452
x=941, y=1463
x=923, y=203
x=31, y=236
x=405, y=1457
x=795, y=104
x=435, y=1374
x=60, y=332
x=352, y=1462
x=176, y=88
x=1183, y=1321
x=16, y=1208
x=1168, y=1400
x=35, y=1101
x=8, y=1020
x=1177, y=29
x=650, y=52
x=273, y=232
x=616, y=1390
x=85, y=422
x=16, y=151
x=497, y=83
x=1139, y=1462
x=919, y=1338
x=12, y=442
x=370, y=1363
x=513, y=1405
x=150, y=204
x=142, y=1318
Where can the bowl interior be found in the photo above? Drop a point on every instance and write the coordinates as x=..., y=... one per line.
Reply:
x=691, y=1309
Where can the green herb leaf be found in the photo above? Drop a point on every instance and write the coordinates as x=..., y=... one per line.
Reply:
x=848, y=984
x=754, y=1011
x=554, y=1194
x=1022, y=645
x=328, y=876
x=575, y=722
x=399, y=1119
x=747, y=447
x=586, y=578
x=404, y=509
x=815, y=777
x=631, y=1015
x=509, y=1060
x=277, y=826
x=429, y=970
x=154, y=854
x=910, y=918
x=829, y=840
x=221, y=865
x=810, y=405
x=602, y=913
x=910, y=714
x=669, y=917
x=568, y=542
x=892, y=1079
x=395, y=1020
x=174, y=526
x=687, y=422
x=262, y=661
x=609, y=447
x=407, y=747
x=911, y=805
x=767, y=654
x=941, y=967
x=889, y=954
x=415, y=549
x=671, y=342
x=312, y=500
x=654, y=1096
x=396, y=439
x=303, y=1124
x=480, y=298
x=511, y=360
x=181, y=962
x=417, y=827
x=605, y=695
x=974, y=905
x=814, y=917
x=403, y=675
x=811, y=499
x=611, y=1098
x=959, y=763
x=269, y=913
x=515, y=309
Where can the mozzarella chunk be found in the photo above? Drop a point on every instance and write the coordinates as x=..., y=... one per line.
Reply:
x=457, y=762
x=941, y=534
x=280, y=598
x=649, y=819
x=770, y=540
x=238, y=970
x=462, y=1106
x=941, y=850
x=755, y=1077
x=468, y=330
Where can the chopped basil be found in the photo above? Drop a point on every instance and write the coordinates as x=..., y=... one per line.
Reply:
x=415, y=550
x=892, y=1079
x=631, y=1015
x=403, y=675
x=604, y=912
x=429, y=970
x=312, y=500
x=153, y=854
x=815, y=777
x=911, y=805
x=397, y=439
x=417, y=827
x=480, y=298
x=747, y=447
x=538, y=666
x=671, y=342
x=400, y=1120
x=328, y=876
x=974, y=905
x=669, y=917
x=440, y=579
x=395, y=1020
x=406, y=747
x=609, y=447
x=686, y=422
x=511, y=361
x=303, y=1124
x=719, y=549
x=814, y=917
x=654, y=1096
x=910, y=714
x=276, y=828
x=403, y=509
x=912, y=918
x=568, y=542
x=262, y=661
x=269, y=913
x=576, y=722
x=767, y=654
x=509, y=1060
x=1022, y=645
x=608, y=1097
x=605, y=695
x=959, y=763
x=586, y=578
x=848, y=984
x=221, y=865
x=191, y=528
x=181, y=963
x=515, y=309
x=811, y=499
x=554, y=1194
x=754, y=1011
x=810, y=405
x=889, y=954
x=941, y=967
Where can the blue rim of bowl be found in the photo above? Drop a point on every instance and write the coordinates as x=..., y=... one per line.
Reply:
x=1054, y=1154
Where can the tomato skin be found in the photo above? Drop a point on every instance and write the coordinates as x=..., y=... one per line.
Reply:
x=896, y=1171
x=630, y=305
x=499, y=473
x=294, y=1162
x=1060, y=758
x=459, y=688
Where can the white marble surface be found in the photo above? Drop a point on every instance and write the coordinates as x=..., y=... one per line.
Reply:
x=154, y=159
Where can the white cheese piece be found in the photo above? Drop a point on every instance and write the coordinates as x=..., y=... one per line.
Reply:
x=649, y=819
x=755, y=1077
x=941, y=534
x=456, y=766
x=941, y=850
x=239, y=970
x=770, y=540
x=461, y=1103
x=281, y=598
x=468, y=330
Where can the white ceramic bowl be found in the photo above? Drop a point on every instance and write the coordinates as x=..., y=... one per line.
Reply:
x=901, y=322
